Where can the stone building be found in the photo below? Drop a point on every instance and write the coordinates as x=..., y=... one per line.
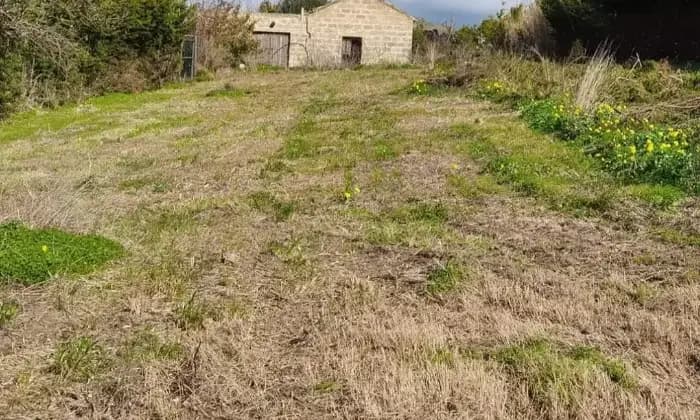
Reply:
x=343, y=32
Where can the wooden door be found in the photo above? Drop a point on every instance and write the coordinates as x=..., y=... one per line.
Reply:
x=273, y=48
x=352, y=51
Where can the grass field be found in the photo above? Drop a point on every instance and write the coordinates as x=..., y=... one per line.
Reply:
x=325, y=245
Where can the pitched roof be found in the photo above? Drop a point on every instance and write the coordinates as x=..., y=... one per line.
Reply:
x=386, y=3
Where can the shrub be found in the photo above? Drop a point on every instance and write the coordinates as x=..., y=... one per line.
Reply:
x=225, y=35
x=53, y=52
x=32, y=256
x=632, y=149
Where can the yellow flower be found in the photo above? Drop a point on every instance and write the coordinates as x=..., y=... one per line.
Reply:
x=650, y=146
x=633, y=149
x=44, y=248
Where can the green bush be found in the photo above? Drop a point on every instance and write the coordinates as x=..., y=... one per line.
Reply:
x=53, y=52
x=33, y=256
x=629, y=148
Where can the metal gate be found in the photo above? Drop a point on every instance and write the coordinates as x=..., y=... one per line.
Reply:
x=273, y=48
x=189, y=58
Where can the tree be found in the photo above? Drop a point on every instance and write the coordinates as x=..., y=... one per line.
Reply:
x=225, y=34
x=651, y=28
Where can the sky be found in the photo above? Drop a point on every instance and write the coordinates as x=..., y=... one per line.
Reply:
x=459, y=12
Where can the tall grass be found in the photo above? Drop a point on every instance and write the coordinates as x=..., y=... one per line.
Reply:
x=594, y=79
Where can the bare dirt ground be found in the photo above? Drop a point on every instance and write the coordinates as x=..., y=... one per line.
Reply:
x=320, y=245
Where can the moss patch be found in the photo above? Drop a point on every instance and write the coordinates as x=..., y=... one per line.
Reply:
x=34, y=255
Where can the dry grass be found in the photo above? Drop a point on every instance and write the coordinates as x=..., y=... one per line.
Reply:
x=594, y=79
x=254, y=288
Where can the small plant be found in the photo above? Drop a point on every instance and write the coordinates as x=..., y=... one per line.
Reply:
x=556, y=375
x=8, y=312
x=228, y=91
x=146, y=345
x=495, y=90
x=420, y=87
x=204, y=76
x=351, y=189
x=445, y=278
x=434, y=213
x=79, y=359
x=191, y=314
x=266, y=202
x=34, y=255
x=327, y=386
x=290, y=252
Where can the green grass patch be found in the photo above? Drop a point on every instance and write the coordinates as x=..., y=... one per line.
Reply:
x=146, y=345
x=332, y=135
x=445, y=278
x=269, y=204
x=476, y=187
x=228, y=91
x=557, y=375
x=79, y=359
x=660, y=196
x=192, y=313
x=326, y=387
x=93, y=115
x=34, y=255
x=535, y=165
x=673, y=236
x=417, y=224
x=8, y=312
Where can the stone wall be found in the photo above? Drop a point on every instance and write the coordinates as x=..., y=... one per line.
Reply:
x=316, y=38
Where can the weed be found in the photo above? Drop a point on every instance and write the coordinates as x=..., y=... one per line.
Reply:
x=480, y=186
x=443, y=357
x=327, y=386
x=146, y=345
x=79, y=359
x=290, y=252
x=34, y=255
x=193, y=313
x=267, y=202
x=415, y=224
x=8, y=312
x=445, y=278
x=422, y=87
x=434, y=213
x=677, y=237
x=643, y=293
x=135, y=183
x=351, y=190
x=556, y=375
x=134, y=164
x=659, y=196
x=228, y=91
x=204, y=75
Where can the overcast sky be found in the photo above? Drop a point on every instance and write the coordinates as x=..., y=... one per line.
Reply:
x=459, y=12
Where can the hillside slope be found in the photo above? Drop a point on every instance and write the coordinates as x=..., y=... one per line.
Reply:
x=325, y=245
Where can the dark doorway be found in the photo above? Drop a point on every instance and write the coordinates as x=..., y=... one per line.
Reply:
x=352, y=51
